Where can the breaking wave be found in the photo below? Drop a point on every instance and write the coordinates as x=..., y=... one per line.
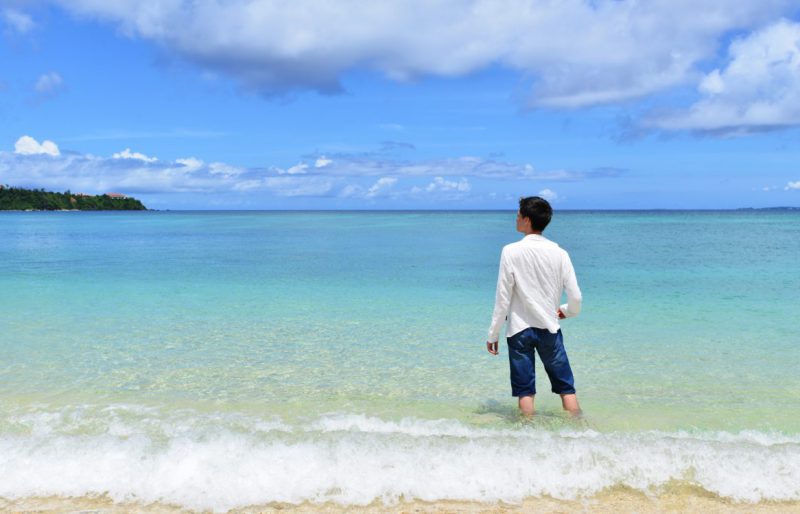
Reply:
x=220, y=461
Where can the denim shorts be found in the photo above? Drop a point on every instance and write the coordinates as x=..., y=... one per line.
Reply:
x=550, y=348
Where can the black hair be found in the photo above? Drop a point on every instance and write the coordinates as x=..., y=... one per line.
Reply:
x=537, y=210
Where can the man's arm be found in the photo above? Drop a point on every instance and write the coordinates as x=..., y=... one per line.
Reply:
x=502, y=300
x=574, y=297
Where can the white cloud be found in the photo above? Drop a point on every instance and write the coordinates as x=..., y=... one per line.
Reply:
x=26, y=145
x=758, y=88
x=793, y=185
x=49, y=84
x=190, y=163
x=42, y=165
x=249, y=185
x=18, y=20
x=127, y=154
x=466, y=166
x=351, y=191
x=298, y=186
x=220, y=168
x=439, y=188
x=576, y=52
x=297, y=169
x=321, y=162
x=440, y=184
x=382, y=185
x=548, y=194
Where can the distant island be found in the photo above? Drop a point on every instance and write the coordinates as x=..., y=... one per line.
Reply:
x=769, y=209
x=19, y=199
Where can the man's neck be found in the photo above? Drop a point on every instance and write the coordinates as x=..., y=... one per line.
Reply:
x=533, y=233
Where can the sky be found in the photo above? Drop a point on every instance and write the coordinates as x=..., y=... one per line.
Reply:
x=412, y=104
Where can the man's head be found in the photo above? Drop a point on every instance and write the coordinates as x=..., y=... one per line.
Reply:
x=534, y=213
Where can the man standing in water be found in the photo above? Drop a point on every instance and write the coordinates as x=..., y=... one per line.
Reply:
x=533, y=273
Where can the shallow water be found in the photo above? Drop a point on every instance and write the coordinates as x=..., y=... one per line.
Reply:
x=282, y=346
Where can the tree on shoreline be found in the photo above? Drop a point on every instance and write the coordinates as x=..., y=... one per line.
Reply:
x=19, y=199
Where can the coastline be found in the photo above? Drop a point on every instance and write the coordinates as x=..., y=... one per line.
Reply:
x=73, y=210
x=685, y=499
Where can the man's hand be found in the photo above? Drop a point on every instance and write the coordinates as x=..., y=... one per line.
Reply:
x=560, y=314
x=492, y=347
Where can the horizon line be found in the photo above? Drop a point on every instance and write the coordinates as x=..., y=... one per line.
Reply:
x=644, y=209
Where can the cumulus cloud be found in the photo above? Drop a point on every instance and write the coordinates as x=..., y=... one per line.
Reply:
x=17, y=21
x=322, y=161
x=190, y=163
x=220, y=168
x=793, y=185
x=758, y=88
x=35, y=164
x=351, y=191
x=548, y=194
x=98, y=174
x=380, y=187
x=440, y=184
x=439, y=187
x=297, y=169
x=576, y=52
x=127, y=154
x=467, y=166
x=27, y=145
x=443, y=188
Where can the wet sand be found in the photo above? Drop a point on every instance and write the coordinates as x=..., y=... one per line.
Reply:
x=690, y=500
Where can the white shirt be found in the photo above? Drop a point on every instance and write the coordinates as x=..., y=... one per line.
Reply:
x=533, y=273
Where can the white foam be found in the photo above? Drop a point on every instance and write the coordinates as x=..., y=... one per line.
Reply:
x=222, y=461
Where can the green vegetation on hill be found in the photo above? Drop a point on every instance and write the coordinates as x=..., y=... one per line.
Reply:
x=18, y=199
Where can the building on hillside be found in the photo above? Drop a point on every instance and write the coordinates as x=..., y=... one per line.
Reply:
x=116, y=196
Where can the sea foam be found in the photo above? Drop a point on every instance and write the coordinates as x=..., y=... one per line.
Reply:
x=220, y=461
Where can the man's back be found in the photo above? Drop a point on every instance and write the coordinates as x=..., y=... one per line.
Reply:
x=533, y=273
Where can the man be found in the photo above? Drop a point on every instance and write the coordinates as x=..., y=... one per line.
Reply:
x=533, y=273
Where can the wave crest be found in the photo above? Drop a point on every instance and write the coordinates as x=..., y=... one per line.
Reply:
x=221, y=461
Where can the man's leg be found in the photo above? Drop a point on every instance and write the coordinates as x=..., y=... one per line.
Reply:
x=526, y=406
x=523, y=377
x=556, y=364
x=570, y=403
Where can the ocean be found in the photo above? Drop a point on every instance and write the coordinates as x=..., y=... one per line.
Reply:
x=214, y=360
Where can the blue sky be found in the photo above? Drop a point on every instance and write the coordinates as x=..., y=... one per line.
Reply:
x=456, y=104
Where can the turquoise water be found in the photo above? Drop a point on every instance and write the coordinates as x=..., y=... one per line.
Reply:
x=350, y=347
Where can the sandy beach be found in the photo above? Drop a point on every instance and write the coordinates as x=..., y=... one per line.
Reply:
x=688, y=500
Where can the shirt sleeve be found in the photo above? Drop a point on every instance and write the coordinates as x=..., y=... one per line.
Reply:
x=502, y=300
x=574, y=297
